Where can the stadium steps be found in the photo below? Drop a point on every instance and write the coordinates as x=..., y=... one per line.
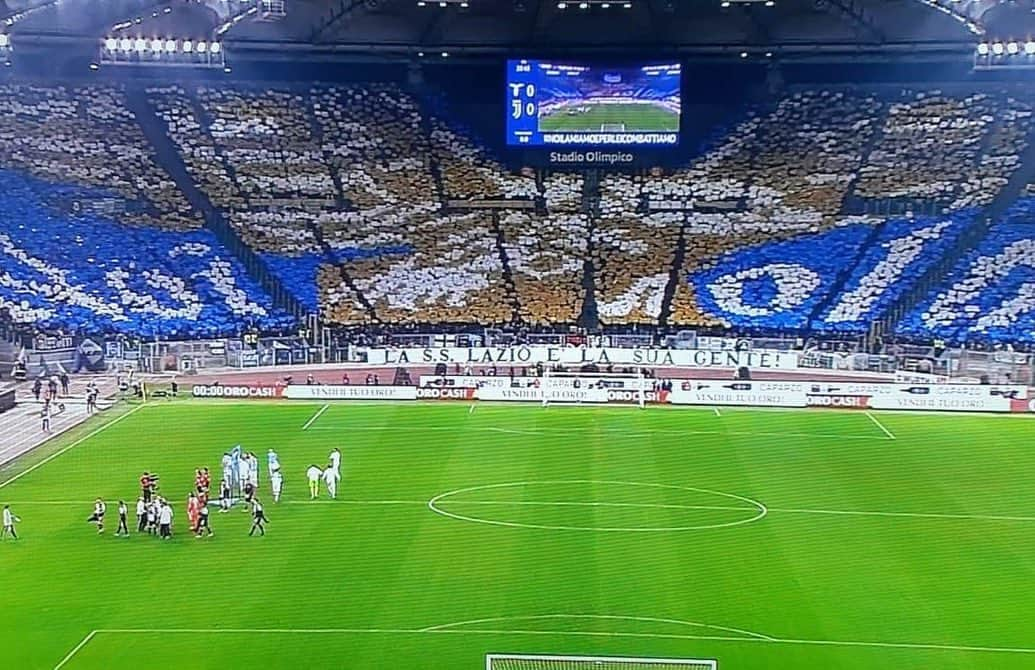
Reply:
x=589, y=318
x=674, y=277
x=205, y=120
x=330, y=259
x=318, y=137
x=168, y=158
x=970, y=238
x=508, y=275
x=846, y=272
x=852, y=204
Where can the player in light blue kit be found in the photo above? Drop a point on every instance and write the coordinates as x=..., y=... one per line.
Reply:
x=273, y=462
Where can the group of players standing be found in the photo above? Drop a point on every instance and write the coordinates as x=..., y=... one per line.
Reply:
x=240, y=473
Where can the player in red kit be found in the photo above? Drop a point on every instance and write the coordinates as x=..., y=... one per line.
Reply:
x=193, y=512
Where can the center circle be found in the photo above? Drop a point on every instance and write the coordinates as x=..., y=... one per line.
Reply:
x=579, y=497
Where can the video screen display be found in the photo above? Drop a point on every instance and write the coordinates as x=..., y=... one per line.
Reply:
x=550, y=103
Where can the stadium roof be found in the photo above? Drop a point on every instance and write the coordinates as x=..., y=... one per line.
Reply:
x=393, y=27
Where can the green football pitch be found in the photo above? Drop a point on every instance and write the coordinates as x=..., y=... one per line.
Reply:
x=616, y=118
x=761, y=539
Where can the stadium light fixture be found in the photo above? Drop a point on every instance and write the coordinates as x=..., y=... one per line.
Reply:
x=95, y=67
x=215, y=47
x=156, y=45
x=170, y=46
x=202, y=47
x=605, y=5
x=583, y=5
x=982, y=49
x=111, y=44
x=125, y=44
x=770, y=3
x=743, y=54
x=464, y=4
x=725, y=4
x=421, y=3
x=5, y=41
x=420, y=54
x=188, y=46
x=562, y=5
x=997, y=48
x=627, y=5
x=1012, y=48
x=1029, y=48
x=442, y=3
x=140, y=45
x=445, y=54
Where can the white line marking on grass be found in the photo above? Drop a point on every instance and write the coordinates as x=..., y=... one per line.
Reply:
x=471, y=410
x=70, y=446
x=914, y=515
x=598, y=617
x=624, y=433
x=758, y=509
x=75, y=650
x=314, y=417
x=919, y=646
x=717, y=412
x=876, y=421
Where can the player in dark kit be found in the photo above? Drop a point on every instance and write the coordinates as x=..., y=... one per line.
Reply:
x=249, y=495
x=123, y=513
x=258, y=519
x=203, y=522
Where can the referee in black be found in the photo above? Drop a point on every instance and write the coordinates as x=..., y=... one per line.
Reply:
x=258, y=519
x=123, y=512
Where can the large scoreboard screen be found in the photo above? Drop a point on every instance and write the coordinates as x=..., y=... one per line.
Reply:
x=551, y=103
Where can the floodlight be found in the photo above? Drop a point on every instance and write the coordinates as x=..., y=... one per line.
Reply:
x=156, y=45
x=628, y=5
x=997, y=48
x=982, y=49
x=1012, y=48
x=110, y=44
x=1029, y=48
x=743, y=54
x=188, y=46
x=725, y=4
x=562, y=5
x=140, y=45
x=215, y=47
x=583, y=5
x=5, y=40
x=170, y=46
x=202, y=47
x=94, y=66
x=445, y=54
x=125, y=44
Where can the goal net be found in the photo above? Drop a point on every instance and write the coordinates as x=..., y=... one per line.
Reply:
x=612, y=127
x=530, y=662
x=593, y=387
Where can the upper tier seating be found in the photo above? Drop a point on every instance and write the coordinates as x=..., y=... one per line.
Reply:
x=778, y=174
x=632, y=254
x=903, y=250
x=86, y=273
x=547, y=256
x=990, y=295
x=86, y=136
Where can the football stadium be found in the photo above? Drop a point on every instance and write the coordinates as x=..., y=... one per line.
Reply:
x=315, y=352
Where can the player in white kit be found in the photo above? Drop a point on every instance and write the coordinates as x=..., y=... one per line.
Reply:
x=330, y=480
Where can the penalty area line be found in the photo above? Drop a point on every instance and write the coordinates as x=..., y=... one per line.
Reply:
x=876, y=422
x=75, y=649
x=917, y=646
x=314, y=417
